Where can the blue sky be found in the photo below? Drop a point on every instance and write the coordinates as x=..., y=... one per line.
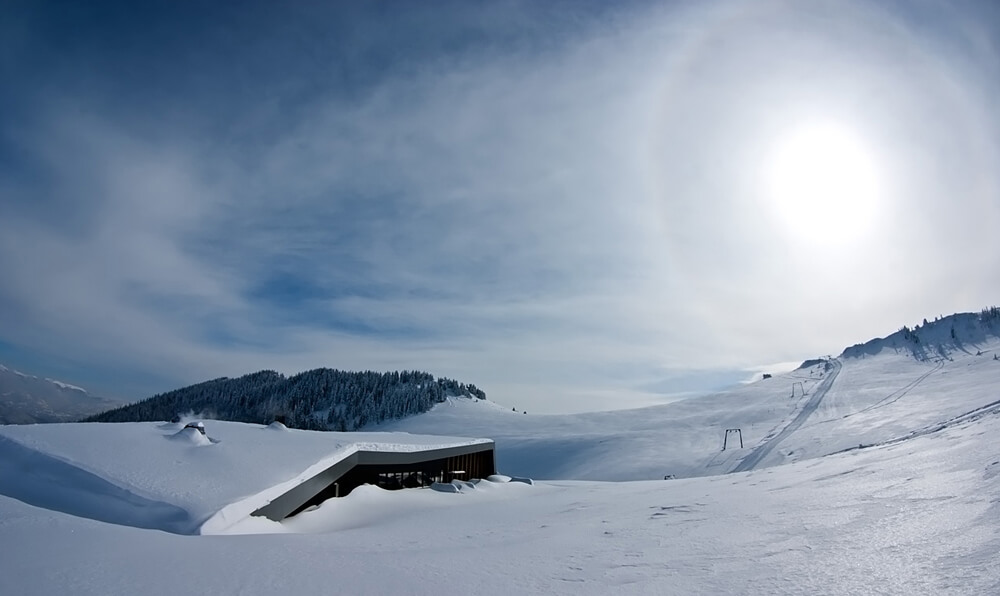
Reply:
x=573, y=205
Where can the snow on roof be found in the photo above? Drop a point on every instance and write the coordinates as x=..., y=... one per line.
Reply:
x=217, y=480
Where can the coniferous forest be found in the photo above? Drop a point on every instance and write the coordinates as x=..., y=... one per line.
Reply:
x=321, y=399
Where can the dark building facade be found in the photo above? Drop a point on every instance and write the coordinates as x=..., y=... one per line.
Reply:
x=390, y=470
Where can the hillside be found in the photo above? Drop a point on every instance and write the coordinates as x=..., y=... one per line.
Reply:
x=872, y=400
x=327, y=399
x=941, y=338
x=320, y=399
x=880, y=393
x=27, y=399
x=887, y=485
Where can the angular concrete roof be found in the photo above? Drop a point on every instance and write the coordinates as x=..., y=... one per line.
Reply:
x=167, y=477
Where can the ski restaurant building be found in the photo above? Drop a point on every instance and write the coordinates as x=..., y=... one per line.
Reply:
x=216, y=477
x=390, y=469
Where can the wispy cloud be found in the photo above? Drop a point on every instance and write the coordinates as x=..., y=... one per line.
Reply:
x=559, y=208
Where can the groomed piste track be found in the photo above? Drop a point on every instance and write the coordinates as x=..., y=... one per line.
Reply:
x=765, y=448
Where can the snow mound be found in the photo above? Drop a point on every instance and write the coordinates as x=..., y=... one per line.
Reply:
x=463, y=485
x=445, y=487
x=277, y=426
x=190, y=435
x=174, y=485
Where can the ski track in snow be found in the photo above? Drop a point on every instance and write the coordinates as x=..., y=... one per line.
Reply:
x=759, y=453
x=914, y=512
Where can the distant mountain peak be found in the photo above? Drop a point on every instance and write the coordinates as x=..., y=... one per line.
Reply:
x=27, y=399
x=16, y=372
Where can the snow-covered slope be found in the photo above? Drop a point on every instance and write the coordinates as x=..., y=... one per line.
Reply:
x=167, y=477
x=961, y=333
x=873, y=399
x=918, y=516
x=683, y=438
x=889, y=485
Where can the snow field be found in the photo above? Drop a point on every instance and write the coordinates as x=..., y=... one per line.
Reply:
x=165, y=476
x=919, y=516
x=916, y=510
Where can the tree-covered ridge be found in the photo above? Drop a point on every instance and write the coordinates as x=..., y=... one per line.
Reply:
x=321, y=399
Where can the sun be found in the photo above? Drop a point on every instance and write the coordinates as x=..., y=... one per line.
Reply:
x=822, y=183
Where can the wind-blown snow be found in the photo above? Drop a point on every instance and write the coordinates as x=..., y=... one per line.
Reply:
x=890, y=486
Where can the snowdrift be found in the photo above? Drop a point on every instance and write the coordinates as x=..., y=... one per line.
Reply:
x=171, y=477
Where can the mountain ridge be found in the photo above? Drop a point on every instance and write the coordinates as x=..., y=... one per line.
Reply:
x=28, y=399
x=937, y=339
x=324, y=399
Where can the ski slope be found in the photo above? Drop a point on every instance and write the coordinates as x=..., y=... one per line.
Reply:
x=764, y=449
x=870, y=400
x=887, y=484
